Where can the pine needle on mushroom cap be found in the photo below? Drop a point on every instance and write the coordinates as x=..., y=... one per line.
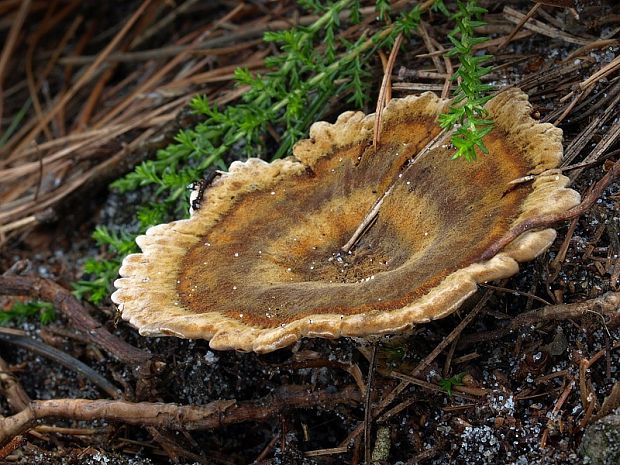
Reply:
x=260, y=264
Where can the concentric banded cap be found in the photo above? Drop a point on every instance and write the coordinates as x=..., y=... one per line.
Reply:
x=260, y=264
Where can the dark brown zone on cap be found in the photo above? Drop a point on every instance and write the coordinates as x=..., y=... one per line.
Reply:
x=272, y=258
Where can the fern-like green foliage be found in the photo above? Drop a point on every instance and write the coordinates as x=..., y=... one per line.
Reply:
x=467, y=113
x=312, y=67
x=101, y=273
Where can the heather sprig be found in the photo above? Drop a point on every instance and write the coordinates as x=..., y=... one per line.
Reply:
x=467, y=114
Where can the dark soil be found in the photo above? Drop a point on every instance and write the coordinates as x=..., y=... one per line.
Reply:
x=521, y=398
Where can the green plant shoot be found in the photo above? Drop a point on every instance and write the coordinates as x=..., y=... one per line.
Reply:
x=467, y=112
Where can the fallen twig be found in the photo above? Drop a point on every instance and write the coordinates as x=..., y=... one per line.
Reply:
x=545, y=221
x=539, y=27
x=171, y=416
x=76, y=313
x=11, y=389
x=61, y=358
x=455, y=333
x=384, y=91
x=518, y=27
x=605, y=305
x=368, y=402
x=611, y=402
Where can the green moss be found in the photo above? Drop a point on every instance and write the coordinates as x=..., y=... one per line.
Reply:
x=22, y=311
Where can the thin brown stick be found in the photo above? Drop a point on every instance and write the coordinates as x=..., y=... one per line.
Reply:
x=9, y=447
x=9, y=45
x=165, y=52
x=426, y=362
x=611, y=402
x=323, y=452
x=47, y=25
x=449, y=355
x=445, y=91
x=267, y=449
x=602, y=43
x=556, y=409
x=518, y=27
x=586, y=392
x=374, y=211
x=539, y=27
x=60, y=357
x=608, y=140
x=370, y=217
x=84, y=78
x=431, y=47
x=368, y=403
x=171, y=416
x=569, y=108
x=12, y=389
x=544, y=221
x=556, y=263
x=77, y=314
x=381, y=100
x=604, y=71
x=604, y=305
x=163, y=22
x=457, y=391
x=12, y=37
x=514, y=291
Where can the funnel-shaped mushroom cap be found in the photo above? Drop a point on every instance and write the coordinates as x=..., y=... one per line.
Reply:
x=259, y=265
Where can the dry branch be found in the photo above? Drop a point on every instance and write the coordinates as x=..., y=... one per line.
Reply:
x=545, y=221
x=75, y=312
x=58, y=356
x=171, y=416
x=11, y=389
x=605, y=305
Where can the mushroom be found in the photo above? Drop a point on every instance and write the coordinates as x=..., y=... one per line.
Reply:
x=262, y=262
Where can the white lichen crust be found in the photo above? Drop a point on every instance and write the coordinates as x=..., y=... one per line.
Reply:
x=147, y=293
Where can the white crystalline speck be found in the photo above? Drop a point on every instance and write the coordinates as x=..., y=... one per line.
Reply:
x=211, y=358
